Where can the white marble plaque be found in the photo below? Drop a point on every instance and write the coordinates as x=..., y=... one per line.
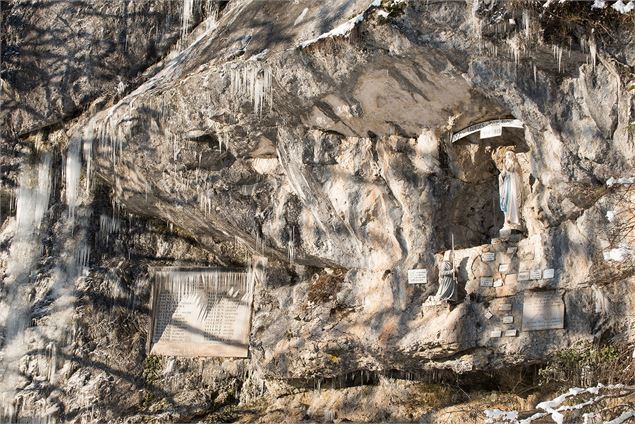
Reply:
x=488, y=314
x=543, y=311
x=488, y=257
x=417, y=276
x=495, y=334
x=491, y=131
x=511, y=333
x=498, y=283
x=201, y=312
x=535, y=274
x=505, y=307
x=487, y=281
x=508, y=319
x=548, y=274
x=503, y=268
x=523, y=276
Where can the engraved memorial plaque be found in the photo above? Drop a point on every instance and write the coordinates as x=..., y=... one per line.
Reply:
x=508, y=319
x=523, y=276
x=487, y=281
x=543, y=311
x=503, y=268
x=505, y=307
x=511, y=333
x=488, y=257
x=417, y=276
x=498, y=283
x=535, y=274
x=201, y=312
x=488, y=314
x=495, y=334
x=548, y=274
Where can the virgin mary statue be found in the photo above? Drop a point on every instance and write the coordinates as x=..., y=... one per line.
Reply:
x=509, y=188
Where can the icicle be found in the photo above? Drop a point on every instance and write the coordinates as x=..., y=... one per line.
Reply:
x=527, y=24
x=32, y=201
x=186, y=18
x=593, y=49
x=252, y=81
x=73, y=171
x=88, y=155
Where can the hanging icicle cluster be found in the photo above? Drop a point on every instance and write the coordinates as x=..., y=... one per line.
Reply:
x=32, y=196
x=186, y=18
x=252, y=81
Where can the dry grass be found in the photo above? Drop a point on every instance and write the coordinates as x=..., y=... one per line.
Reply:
x=324, y=286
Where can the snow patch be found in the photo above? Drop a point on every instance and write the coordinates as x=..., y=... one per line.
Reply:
x=345, y=28
x=339, y=31
x=494, y=415
x=598, y=4
x=621, y=181
x=618, y=254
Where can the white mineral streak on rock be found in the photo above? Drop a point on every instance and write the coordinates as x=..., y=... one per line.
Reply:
x=301, y=17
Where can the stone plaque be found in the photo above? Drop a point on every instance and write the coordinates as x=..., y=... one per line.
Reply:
x=535, y=274
x=498, y=283
x=417, y=276
x=201, y=312
x=488, y=257
x=495, y=334
x=504, y=268
x=488, y=314
x=548, y=274
x=511, y=333
x=491, y=131
x=523, y=276
x=508, y=319
x=543, y=311
x=505, y=307
x=487, y=281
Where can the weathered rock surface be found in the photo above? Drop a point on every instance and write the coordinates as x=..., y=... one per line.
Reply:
x=332, y=158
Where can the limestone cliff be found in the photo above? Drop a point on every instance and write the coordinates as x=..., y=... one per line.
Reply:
x=318, y=136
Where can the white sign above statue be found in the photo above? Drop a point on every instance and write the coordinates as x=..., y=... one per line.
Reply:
x=492, y=131
x=417, y=276
x=488, y=129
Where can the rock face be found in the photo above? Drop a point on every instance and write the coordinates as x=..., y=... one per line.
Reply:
x=318, y=136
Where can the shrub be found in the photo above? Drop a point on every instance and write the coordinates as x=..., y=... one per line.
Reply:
x=586, y=365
